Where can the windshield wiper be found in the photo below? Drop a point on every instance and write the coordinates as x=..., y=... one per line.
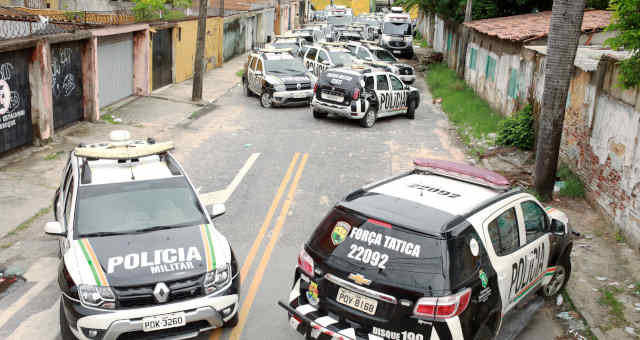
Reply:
x=163, y=227
x=103, y=233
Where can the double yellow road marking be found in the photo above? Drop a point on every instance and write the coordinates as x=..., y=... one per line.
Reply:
x=262, y=266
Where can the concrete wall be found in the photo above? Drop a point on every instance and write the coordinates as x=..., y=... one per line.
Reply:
x=184, y=44
x=235, y=36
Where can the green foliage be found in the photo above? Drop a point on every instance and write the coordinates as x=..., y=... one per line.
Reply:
x=148, y=9
x=173, y=15
x=470, y=113
x=598, y=4
x=180, y=3
x=573, y=186
x=616, y=308
x=73, y=16
x=420, y=40
x=482, y=9
x=517, y=130
x=626, y=21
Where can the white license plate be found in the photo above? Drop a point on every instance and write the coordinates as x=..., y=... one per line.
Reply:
x=357, y=301
x=299, y=95
x=332, y=97
x=397, y=51
x=165, y=321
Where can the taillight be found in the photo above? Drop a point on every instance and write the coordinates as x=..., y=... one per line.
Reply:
x=356, y=94
x=441, y=308
x=305, y=262
x=315, y=88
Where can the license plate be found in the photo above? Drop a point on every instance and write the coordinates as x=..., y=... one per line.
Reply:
x=357, y=301
x=332, y=97
x=299, y=95
x=165, y=321
x=397, y=51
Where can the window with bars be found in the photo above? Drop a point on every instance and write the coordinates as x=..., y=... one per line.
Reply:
x=490, y=70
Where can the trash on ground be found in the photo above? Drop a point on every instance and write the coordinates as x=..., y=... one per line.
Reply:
x=559, y=186
x=564, y=316
x=559, y=300
x=630, y=330
x=601, y=278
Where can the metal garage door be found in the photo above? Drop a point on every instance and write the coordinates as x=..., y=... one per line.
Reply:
x=115, y=68
x=15, y=100
x=66, y=82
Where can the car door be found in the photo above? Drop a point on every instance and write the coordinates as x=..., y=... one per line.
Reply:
x=398, y=95
x=383, y=93
x=251, y=69
x=363, y=54
x=538, y=246
x=259, y=76
x=60, y=193
x=310, y=60
x=69, y=201
x=323, y=62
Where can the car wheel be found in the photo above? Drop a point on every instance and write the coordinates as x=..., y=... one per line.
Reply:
x=484, y=333
x=245, y=87
x=369, y=118
x=319, y=115
x=233, y=321
x=266, y=100
x=65, y=331
x=411, y=110
x=559, y=279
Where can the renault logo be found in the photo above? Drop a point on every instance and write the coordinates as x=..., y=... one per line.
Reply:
x=359, y=279
x=161, y=292
x=299, y=86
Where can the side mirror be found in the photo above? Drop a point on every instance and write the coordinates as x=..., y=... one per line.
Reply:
x=368, y=58
x=217, y=209
x=54, y=228
x=258, y=73
x=557, y=227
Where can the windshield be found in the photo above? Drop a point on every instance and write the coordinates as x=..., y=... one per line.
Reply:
x=391, y=28
x=341, y=58
x=122, y=208
x=284, y=66
x=384, y=55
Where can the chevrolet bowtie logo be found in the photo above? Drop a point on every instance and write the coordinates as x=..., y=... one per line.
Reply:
x=359, y=279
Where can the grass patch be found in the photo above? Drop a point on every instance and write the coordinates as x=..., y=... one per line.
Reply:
x=420, y=41
x=616, y=308
x=573, y=186
x=240, y=73
x=6, y=245
x=26, y=224
x=53, y=155
x=620, y=238
x=109, y=118
x=473, y=117
x=572, y=307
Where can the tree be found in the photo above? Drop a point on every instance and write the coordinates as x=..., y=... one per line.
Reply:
x=626, y=21
x=198, y=63
x=482, y=9
x=564, y=34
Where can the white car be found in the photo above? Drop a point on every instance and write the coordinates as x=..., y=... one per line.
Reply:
x=321, y=57
x=140, y=256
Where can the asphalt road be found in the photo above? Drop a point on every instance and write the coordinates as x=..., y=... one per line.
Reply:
x=304, y=166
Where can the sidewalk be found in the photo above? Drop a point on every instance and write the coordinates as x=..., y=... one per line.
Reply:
x=29, y=177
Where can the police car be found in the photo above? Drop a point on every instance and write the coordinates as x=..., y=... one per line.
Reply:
x=289, y=41
x=346, y=35
x=278, y=78
x=140, y=257
x=378, y=56
x=444, y=251
x=323, y=56
x=364, y=94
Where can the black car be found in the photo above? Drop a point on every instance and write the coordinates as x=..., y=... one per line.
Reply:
x=444, y=251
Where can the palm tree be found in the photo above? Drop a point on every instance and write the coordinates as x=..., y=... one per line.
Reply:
x=566, y=26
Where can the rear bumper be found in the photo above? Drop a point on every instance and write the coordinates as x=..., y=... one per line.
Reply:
x=292, y=97
x=355, y=110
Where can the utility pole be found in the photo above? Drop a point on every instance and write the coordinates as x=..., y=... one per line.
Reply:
x=564, y=35
x=466, y=35
x=467, y=13
x=198, y=65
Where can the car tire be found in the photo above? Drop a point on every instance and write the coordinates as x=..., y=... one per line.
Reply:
x=319, y=115
x=233, y=321
x=411, y=109
x=266, y=100
x=484, y=333
x=369, y=119
x=559, y=279
x=245, y=88
x=65, y=332
x=409, y=54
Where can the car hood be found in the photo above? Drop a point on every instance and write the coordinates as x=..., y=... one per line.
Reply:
x=146, y=258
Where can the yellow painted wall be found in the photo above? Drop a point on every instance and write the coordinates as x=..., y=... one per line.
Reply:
x=184, y=44
x=358, y=6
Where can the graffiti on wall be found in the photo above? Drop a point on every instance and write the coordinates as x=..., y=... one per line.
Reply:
x=15, y=100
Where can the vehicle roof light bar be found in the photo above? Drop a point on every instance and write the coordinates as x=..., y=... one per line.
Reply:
x=133, y=150
x=463, y=172
x=275, y=50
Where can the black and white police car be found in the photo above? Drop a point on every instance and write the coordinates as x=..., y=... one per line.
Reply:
x=289, y=41
x=323, y=56
x=278, y=78
x=140, y=257
x=363, y=93
x=444, y=251
x=380, y=57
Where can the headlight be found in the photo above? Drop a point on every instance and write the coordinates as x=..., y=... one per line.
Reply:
x=97, y=296
x=386, y=38
x=408, y=39
x=217, y=279
x=280, y=87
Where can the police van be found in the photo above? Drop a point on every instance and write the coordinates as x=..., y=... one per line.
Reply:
x=278, y=78
x=140, y=257
x=444, y=251
x=377, y=56
x=363, y=93
x=397, y=34
x=323, y=56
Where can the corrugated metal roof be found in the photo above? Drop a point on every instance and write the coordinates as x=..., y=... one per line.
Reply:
x=587, y=57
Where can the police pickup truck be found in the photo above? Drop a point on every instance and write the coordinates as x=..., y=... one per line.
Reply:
x=444, y=251
x=140, y=257
x=378, y=56
x=278, y=78
x=363, y=93
x=323, y=56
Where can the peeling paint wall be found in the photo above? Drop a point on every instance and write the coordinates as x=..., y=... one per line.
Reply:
x=235, y=36
x=184, y=45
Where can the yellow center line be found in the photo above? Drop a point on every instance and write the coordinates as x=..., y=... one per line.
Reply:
x=255, y=284
x=215, y=335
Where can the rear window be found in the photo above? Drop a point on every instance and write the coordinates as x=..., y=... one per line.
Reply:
x=340, y=80
x=380, y=251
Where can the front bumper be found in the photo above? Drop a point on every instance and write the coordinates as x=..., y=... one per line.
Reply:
x=201, y=315
x=408, y=79
x=292, y=97
x=355, y=110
